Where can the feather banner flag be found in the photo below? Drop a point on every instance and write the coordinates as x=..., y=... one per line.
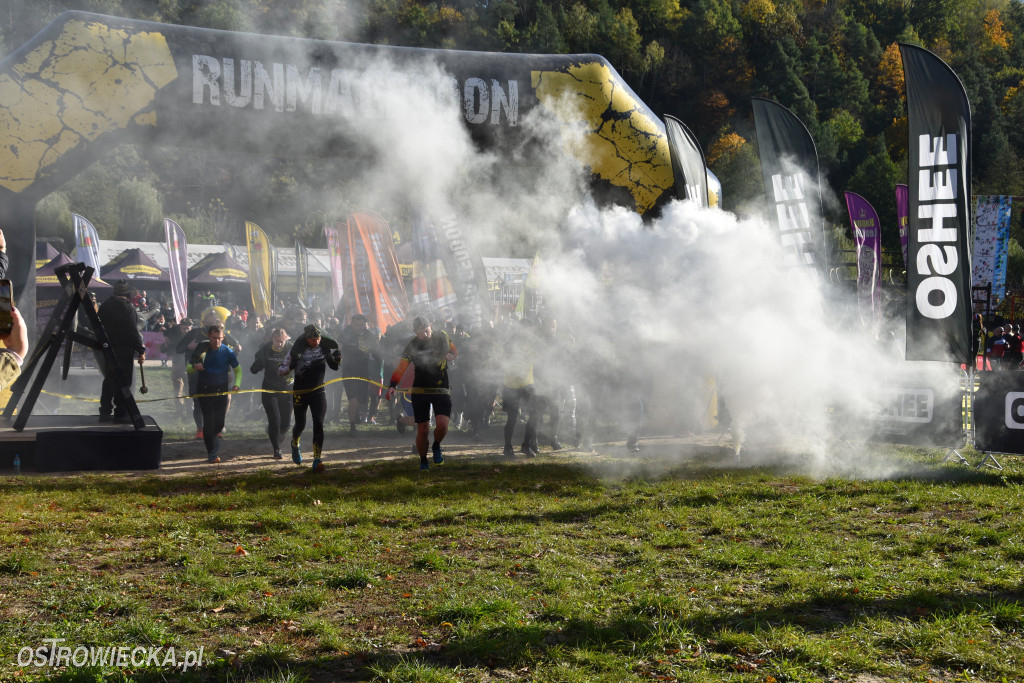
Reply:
x=177, y=267
x=867, y=238
x=789, y=166
x=87, y=243
x=903, y=216
x=334, y=252
x=259, y=270
x=938, y=254
x=301, y=273
x=373, y=279
x=463, y=265
x=691, y=174
x=431, y=288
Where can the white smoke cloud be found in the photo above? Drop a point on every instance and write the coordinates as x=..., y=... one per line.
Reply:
x=655, y=309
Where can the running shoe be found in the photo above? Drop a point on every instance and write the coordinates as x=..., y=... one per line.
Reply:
x=296, y=454
x=277, y=454
x=438, y=458
x=318, y=465
x=213, y=459
x=508, y=452
x=424, y=465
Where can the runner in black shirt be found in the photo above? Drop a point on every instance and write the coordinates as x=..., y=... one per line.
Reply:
x=429, y=353
x=278, y=406
x=309, y=358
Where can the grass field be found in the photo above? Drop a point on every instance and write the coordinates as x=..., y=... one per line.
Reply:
x=540, y=571
x=674, y=564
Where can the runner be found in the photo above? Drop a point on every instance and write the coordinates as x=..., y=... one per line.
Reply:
x=213, y=360
x=429, y=354
x=278, y=406
x=309, y=357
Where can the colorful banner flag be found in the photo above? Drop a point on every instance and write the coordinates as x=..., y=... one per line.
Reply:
x=991, y=243
x=938, y=255
x=259, y=270
x=431, y=288
x=334, y=250
x=301, y=273
x=464, y=266
x=87, y=243
x=903, y=216
x=177, y=267
x=688, y=165
x=867, y=238
x=789, y=167
x=373, y=279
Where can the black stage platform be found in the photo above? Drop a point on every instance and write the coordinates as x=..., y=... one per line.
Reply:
x=61, y=443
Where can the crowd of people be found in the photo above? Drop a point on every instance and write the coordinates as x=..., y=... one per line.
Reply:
x=420, y=373
x=1000, y=343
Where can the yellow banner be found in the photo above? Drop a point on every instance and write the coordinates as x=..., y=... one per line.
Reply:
x=259, y=269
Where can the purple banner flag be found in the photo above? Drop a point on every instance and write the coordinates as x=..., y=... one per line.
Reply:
x=903, y=216
x=864, y=222
x=177, y=267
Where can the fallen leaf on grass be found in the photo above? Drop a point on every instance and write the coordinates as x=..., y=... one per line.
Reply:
x=217, y=610
x=239, y=550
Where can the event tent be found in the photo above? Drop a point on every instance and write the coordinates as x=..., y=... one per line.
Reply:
x=45, y=252
x=46, y=276
x=137, y=269
x=218, y=271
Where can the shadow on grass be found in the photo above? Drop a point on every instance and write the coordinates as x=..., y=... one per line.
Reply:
x=657, y=624
x=379, y=477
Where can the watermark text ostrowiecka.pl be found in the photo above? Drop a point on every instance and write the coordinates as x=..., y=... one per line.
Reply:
x=52, y=654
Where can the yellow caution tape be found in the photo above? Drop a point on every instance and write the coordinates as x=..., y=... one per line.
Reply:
x=229, y=393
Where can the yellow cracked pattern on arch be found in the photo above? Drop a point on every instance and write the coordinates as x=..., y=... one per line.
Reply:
x=90, y=80
x=623, y=144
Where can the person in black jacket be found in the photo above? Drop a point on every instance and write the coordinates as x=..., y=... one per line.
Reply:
x=277, y=397
x=121, y=324
x=309, y=358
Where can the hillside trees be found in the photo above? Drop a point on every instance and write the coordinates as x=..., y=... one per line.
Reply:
x=835, y=64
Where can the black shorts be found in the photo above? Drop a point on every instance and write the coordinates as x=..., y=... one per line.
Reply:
x=421, y=406
x=357, y=389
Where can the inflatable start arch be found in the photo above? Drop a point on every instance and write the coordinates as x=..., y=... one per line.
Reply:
x=88, y=82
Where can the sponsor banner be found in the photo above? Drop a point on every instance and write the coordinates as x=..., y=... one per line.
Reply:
x=999, y=412
x=87, y=243
x=938, y=255
x=259, y=270
x=177, y=267
x=991, y=244
x=334, y=251
x=866, y=237
x=918, y=412
x=789, y=166
x=687, y=162
x=903, y=216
